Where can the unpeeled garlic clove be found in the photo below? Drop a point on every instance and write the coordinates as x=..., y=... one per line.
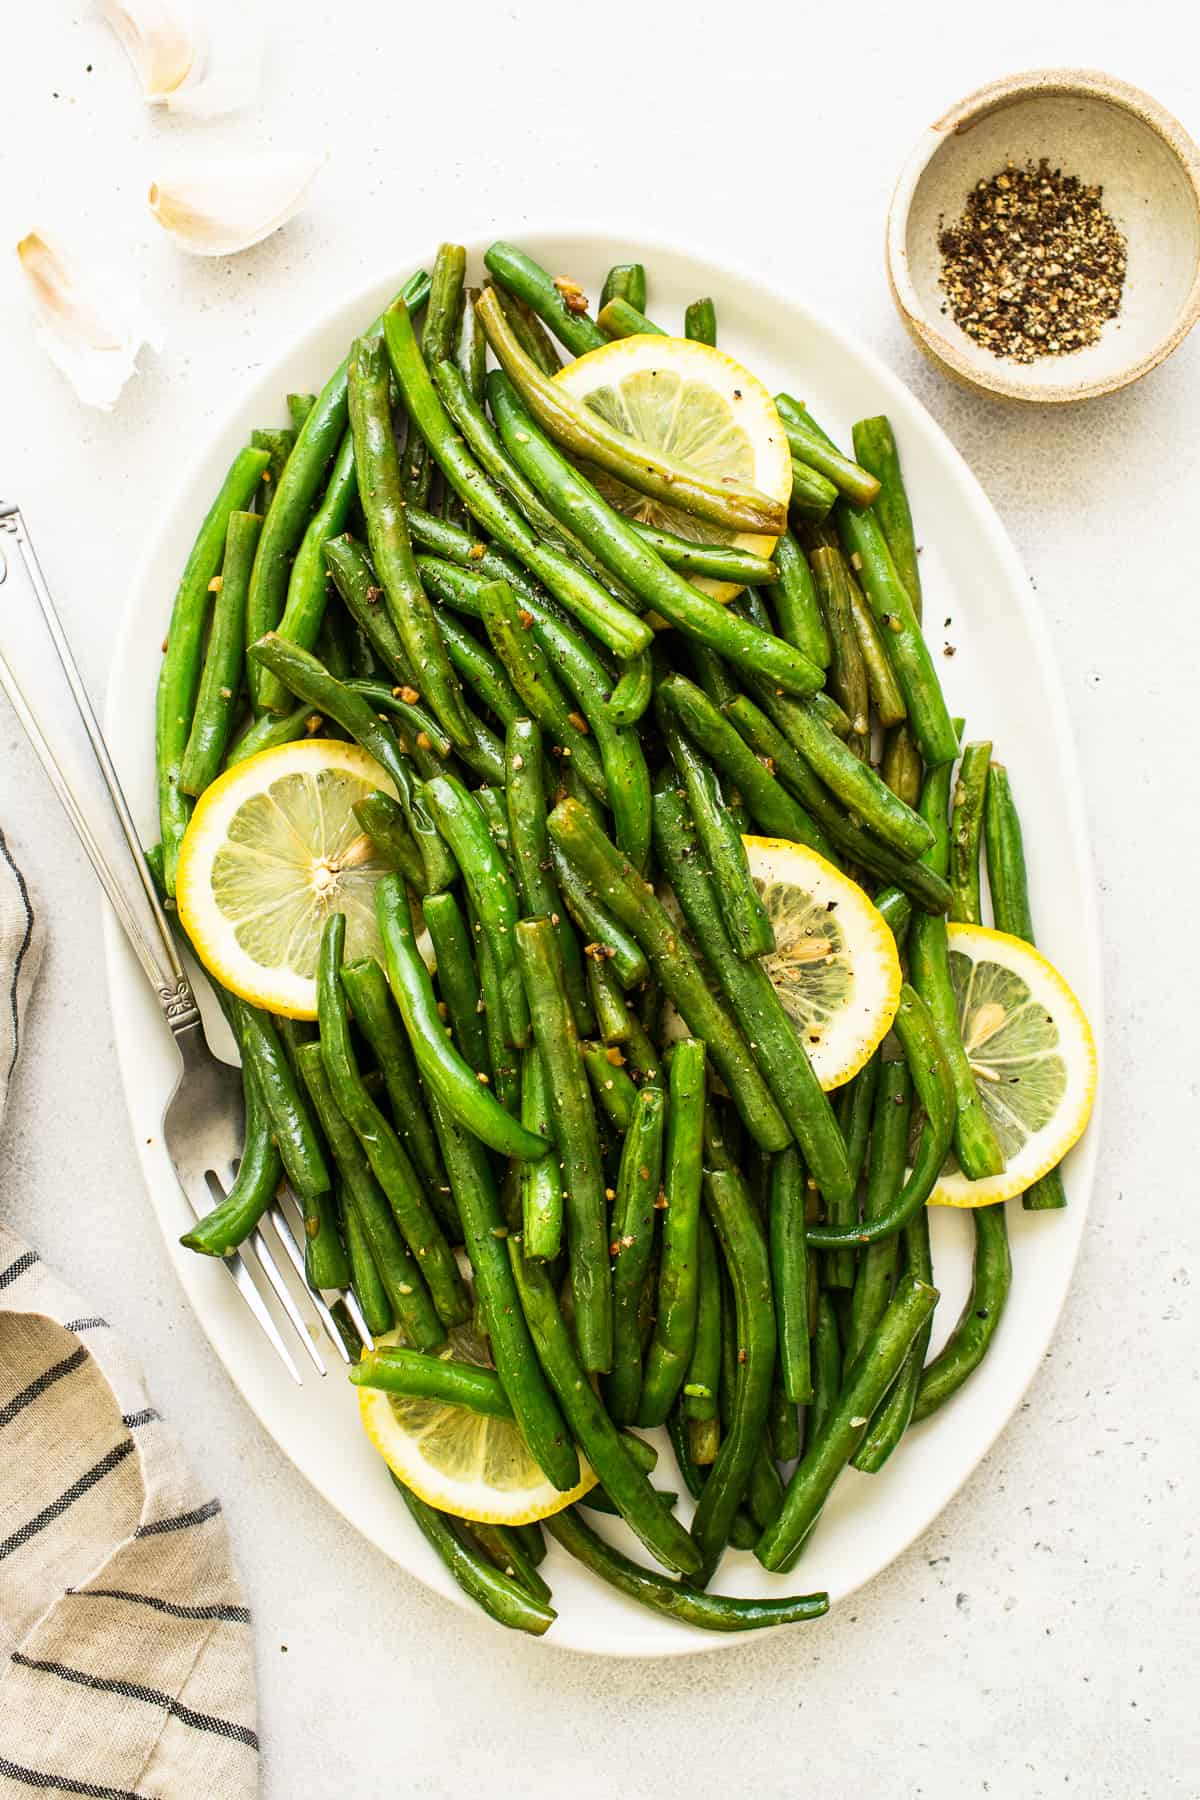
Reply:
x=221, y=205
x=188, y=70
x=92, y=321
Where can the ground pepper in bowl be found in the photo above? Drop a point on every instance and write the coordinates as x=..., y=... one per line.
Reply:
x=1035, y=266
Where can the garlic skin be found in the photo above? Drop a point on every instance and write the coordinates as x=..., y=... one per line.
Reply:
x=92, y=321
x=218, y=206
x=192, y=71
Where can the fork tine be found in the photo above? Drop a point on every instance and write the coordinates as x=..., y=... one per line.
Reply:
x=350, y=1302
x=244, y=1282
x=290, y=1207
x=294, y=1254
x=283, y=1294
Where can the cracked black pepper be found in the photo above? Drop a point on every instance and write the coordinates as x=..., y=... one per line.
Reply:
x=1035, y=266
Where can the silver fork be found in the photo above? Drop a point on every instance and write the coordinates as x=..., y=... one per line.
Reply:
x=203, y=1118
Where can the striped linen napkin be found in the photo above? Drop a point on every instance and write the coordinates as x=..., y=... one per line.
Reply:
x=126, y=1659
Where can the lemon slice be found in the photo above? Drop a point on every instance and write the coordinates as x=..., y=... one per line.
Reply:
x=460, y=1461
x=273, y=847
x=1034, y=1058
x=702, y=407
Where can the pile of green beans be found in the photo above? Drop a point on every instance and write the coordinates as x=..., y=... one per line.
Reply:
x=582, y=1083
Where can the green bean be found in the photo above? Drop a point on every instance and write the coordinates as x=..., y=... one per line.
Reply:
x=896, y=910
x=968, y=1343
x=422, y=732
x=558, y=306
x=1009, y=885
x=526, y=797
x=384, y=505
x=259, y=1173
x=458, y=980
x=633, y=691
x=733, y=1216
x=417, y=1375
x=930, y=1072
x=764, y=1489
x=597, y=924
x=535, y=1544
x=480, y=670
x=470, y=346
x=219, y=693
x=651, y=471
x=966, y=827
x=975, y=1141
x=179, y=677
x=617, y=318
x=902, y=767
x=541, y=1182
x=826, y=1368
x=502, y=1598
x=306, y=678
x=528, y=330
x=889, y=1148
x=573, y=1122
x=319, y=436
x=635, y=906
x=394, y=1263
x=638, y=1185
x=769, y=803
x=789, y=1275
x=609, y=536
x=271, y=730
x=929, y=891
x=612, y=1017
x=445, y=300
x=534, y=1406
x=304, y=609
x=811, y=445
x=700, y=322
x=529, y=670
x=672, y=1345
x=813, y=495
x=574, y=587
x=504, y=1058
x=928, y=717
x=385, y=1153
x=299, y=406
x=613, y=1088
x=444, y=1071
x=278, y=443
x=625, y=281
x=710, y=1612
x=369, y=1289
x=291, y=1122
x=355, y=581
x=875, y=448
x=626, y=1485
x=491, y=889
x=894, y=1413
x=866, y=1383
x=507, y=1551
x=793, y=599
x=720, y=843
x=847, y=669
x=382, y=819
x=719, y=562
x=777, y=1050
x=855, y=1104
x=371, y=1003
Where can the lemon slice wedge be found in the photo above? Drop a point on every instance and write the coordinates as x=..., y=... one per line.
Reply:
x=1033, y=1055
x=272, y=848
x=703, y=408
x=460, y=1461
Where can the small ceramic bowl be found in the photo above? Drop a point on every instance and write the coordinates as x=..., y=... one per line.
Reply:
x=1109, y=135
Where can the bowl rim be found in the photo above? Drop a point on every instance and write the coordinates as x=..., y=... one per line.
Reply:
x=1090, y=84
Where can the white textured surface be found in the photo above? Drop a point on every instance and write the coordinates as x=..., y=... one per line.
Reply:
x=1038, y=1639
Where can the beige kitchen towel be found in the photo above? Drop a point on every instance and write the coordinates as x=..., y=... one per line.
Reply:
x=126, y=1658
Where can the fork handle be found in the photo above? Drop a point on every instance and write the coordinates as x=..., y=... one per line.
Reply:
x=37, y=699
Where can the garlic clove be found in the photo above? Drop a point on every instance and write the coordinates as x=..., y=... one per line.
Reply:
x=158, y=39
x=220, y=205
x=190, y=71
x=92, y=321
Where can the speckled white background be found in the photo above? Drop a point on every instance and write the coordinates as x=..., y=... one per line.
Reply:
x=1038, y=1640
